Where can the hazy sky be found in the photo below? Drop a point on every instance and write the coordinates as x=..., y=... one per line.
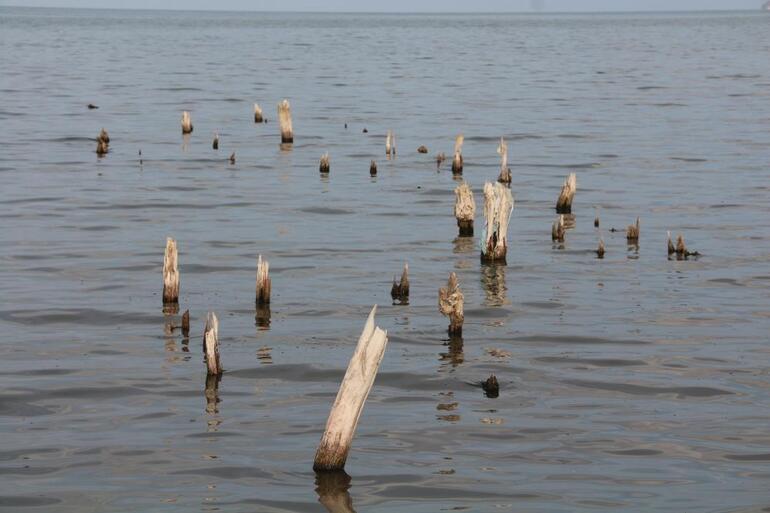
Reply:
x=402, y=5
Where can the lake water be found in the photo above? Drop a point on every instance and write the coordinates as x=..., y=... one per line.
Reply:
x=633, y=383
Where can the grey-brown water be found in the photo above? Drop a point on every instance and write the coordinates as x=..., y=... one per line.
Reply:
x=632, y=383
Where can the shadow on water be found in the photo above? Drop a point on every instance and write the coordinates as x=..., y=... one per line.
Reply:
x=493, y=282
x=332, y=489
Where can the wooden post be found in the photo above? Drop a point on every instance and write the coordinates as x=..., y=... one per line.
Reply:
x=671, y=248
x=170, y=273
x=491, y=387
x=564, y=203
x=422, y=149
x=390, y=144
x=186, y=324
x=465, y=209
x=187, y=126
x=284, y=119
x=498, y=207
x=681, y=249
x=450, y=304
x=264, y=284
x=258, y=118
x=215, y=144
x=346, y=411
x=505, y=171
x=457, y=162
x=596, y=218
x=440, y=158
x=400, y=289
x=102, y=143
x=632, y=232
x=600, y=249
x=373, y=169
x=557, y=231
x=323, y=167
x=211, y=345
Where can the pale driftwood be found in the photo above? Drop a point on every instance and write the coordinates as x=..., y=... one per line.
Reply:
x=422, y=149
x=170, y=273
x=400, y=289
x=324, y=165
x=557, y=230
x=284, y=119
x=632, y=232
x=215, y=143
x=390, y=144
x=670, y=244
x=373, y=169
x=600, y=249
x=498, y=207
x=258, y=117
x=264, y=283
x=186, y=324
x=564, y=203
x=450, y=304
x=187, y=126
x=457, y=161
x=211, y=345
x=346, y=411
x=465, y=209
x=505, y=171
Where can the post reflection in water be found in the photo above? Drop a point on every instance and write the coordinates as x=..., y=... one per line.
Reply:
x=212, y=401
x=332, y=489
x=464, y=245
x=263, y=317
x=454, y=355
x=493, y=283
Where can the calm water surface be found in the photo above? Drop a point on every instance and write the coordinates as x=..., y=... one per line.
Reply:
x=629, y=384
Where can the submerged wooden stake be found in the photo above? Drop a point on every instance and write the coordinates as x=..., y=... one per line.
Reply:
x=491, y=387
x=335, y=443
x=600, y=249
x=264, y=284
x=186, y=324
x=564, y=203
x=284, y=119
x=505, y=171
x=440, y=158
x=557, y=230
x=102, y=143
x=215, y=144
x=211, y=345
x=258, y=118
x=632, y=232
x=400, y=289
x=671, y=248
x=187, y=126
x=324, y=164
x=170, y=273
x=465, y=209
x=422, y=149
x=450, y=304
x=457, y=161
x=373, y=169
x=498, y=207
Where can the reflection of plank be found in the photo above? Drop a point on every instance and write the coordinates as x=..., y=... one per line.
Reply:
x=341, y=426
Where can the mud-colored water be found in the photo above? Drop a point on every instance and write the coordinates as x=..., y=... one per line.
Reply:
x=633, y=383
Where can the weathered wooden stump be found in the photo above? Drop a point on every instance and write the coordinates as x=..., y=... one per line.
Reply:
x=564, y=203
x=258, y=117
x=284, y=119
x=505, y=171
x=187, y=126
x=170, y=273
x=450, y=304
x=211, y=345
x=457, y=161
x=400, y=289
x=498, y=207
x=465, y=209
x=264, y=283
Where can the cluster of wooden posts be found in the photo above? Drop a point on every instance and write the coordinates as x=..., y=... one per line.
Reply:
x=498, y=207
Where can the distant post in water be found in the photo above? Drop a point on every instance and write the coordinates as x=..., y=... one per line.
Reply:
x=373, y=169
x=332, y=452
x=215, y=143
x=400, y=289
x=170, y=273
x=187, y=126
x=465, y=209
x=102, y=143
x=632, y=233
x=498, y=207
x=186, y=324
x=450, y=304
x=211, y=345
x=323, y=166
x=258, y=118
x=390, y=144
x=264, y=284
x=505, y=172
x=564, y=203
x=284, y=119
x=457, y=162
x=600, y=249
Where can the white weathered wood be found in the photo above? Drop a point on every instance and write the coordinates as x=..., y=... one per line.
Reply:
x=170, y=273
x=498, y=207
x=264, y=283
x=390, y=143
x=567, y=194
x=505, y=172
x=324, y=165
x=335, y=443
x=258, y=117
x=187, y=126
x=211, y=344
x=284, y=119
x=465, y=209
x=450, y=304
x=457, y=161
